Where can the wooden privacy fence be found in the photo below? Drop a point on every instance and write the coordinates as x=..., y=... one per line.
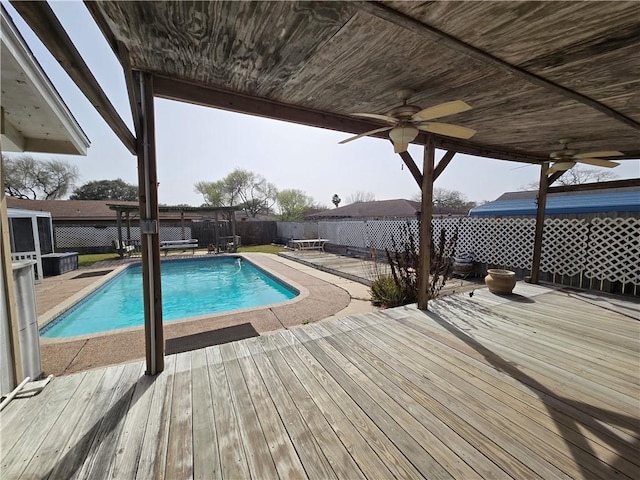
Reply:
x=600, y=253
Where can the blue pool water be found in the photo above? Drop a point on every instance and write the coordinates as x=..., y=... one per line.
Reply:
x=189, y=288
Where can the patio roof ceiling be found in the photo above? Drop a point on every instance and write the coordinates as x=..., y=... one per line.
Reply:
x=534, y=72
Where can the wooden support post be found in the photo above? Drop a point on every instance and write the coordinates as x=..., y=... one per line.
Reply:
x=149, y=224
x=542, y=204
x=9, y=294
x=233, y=230
x=411, y=165
x=442, y=164
x=216, y=232
x=127, y=217
x=425, y=224
x=182, y=224
x=121, y=249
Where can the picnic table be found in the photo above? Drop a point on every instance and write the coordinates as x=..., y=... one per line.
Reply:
x=309, y=244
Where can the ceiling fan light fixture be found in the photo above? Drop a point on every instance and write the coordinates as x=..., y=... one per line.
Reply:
x=401, y=136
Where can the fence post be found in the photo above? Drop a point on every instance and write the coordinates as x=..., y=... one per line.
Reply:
x=542, y=204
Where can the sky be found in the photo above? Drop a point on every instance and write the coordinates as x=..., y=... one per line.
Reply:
x=196, y=143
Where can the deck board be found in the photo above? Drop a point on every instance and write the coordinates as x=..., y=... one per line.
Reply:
x=541, y=385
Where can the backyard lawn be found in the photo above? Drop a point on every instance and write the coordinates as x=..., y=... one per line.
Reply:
x=90, y=259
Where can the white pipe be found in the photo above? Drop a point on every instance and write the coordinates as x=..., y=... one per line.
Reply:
x=38, y=388
x=15, y=391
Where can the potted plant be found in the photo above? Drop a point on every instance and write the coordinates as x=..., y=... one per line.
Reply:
x=500, y=281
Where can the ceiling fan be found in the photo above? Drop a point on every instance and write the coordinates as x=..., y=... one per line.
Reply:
x=566, y=159
x=407, y=120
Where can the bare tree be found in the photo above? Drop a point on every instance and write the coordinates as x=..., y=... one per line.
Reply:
x=577, y=176
x=361, y=197
x=26, y=177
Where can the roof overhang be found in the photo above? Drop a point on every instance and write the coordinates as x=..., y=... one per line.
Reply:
x=530, y=75
x=34, y=116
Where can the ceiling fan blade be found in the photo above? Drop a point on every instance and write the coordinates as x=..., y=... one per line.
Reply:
x=598, y=154
x=384, y=118
x=447, y=129
x=442, y=110
x=551, y=170
x=370, y=132
x=599, y=162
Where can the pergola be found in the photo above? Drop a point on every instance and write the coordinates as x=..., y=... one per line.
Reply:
x=534, y=73
x=128, y=209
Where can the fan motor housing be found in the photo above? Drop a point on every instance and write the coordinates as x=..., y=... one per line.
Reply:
x=404, y=111
x=563, y=154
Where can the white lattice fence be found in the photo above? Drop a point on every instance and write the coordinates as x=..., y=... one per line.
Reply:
x=605, y=249
x=448, y=224
x=564, y=246
x=328, y=230
x=381, y=233
x=614, y=250
x=297, y=230
x=353, y=234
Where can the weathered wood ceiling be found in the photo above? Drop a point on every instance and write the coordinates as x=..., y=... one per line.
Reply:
x=534, y=72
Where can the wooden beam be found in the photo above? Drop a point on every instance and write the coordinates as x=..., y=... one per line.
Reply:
x=199, y=94
x=540, y=214
x=426, y=212
x=49, y=30
x=442, y=164
x=553, y=177
x=9, y=289
x=631, y=182
x=149, y=223
x=413, y=168
x=400, y=19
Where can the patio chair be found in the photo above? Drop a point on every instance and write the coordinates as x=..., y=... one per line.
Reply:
x=123, y=249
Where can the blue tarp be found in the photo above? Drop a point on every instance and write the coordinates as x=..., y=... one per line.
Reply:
x=603, y=202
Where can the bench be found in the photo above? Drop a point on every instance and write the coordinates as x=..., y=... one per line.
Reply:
x=167, y=245
x=309, y=244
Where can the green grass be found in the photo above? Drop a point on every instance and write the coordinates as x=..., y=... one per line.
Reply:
x=90, y=259
x=87, y=260
x=274, y=249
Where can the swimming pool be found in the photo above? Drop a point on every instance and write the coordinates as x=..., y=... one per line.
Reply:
x=190, y=288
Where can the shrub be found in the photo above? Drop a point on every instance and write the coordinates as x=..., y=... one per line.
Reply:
x=385, y=292
x=401, y=287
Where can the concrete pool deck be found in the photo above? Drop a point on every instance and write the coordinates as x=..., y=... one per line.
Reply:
x=323, y=295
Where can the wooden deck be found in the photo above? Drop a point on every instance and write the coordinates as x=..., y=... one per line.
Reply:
x=541, y=385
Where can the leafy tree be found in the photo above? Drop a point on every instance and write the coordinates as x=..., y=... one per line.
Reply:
x=26, y=177
x=444, y=199
x=293, y=204
x=240, y=188
x=336, y=200
x=116, y=189
x=361, y=197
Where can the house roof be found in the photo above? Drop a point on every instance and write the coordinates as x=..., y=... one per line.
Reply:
x=88, y=210
x=563, y=203
x=378, y=209
x=531, y=76
x=34, y=116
